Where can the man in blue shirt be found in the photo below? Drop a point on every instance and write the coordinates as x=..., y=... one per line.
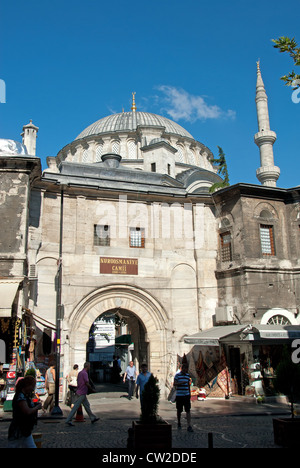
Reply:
x=182, y=383
x=142, y=379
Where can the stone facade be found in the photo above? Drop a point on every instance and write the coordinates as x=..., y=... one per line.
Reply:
x=251, y=281
x=17, y=175
x=163, y=299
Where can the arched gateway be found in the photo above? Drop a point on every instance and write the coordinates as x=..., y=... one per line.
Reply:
x=129, y=298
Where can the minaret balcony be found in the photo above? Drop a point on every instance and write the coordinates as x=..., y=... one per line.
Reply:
x=264, y=137
x=268, y=175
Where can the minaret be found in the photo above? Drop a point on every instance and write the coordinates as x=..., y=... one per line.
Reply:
x=267, y=174
x=29, y=137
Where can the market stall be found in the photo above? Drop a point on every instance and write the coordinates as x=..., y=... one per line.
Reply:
x=238, y=359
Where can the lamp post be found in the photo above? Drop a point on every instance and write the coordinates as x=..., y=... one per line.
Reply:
x=59, y=308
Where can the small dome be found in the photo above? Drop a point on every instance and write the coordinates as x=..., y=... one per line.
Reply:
x=129, y=121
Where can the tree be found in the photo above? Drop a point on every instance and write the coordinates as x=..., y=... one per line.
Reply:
x=151, y=394
x=285, y=44
x=222, y=171
x=287, y=380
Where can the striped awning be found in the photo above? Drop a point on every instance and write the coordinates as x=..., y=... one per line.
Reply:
x=8, y=291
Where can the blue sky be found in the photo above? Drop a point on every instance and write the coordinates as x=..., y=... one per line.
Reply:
x=68, y=64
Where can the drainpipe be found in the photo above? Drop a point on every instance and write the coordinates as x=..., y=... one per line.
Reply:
x=59, y=307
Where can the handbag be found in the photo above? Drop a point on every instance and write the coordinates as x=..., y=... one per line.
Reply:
x=172, y=395
x=68, y=400
x=51, y=388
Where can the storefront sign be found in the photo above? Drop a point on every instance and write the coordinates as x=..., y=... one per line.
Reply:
x=119, y=266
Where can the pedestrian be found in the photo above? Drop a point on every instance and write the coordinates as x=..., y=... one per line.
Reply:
x=142, y=379
x=72, y=383
x=182, y=383
x=115, y=371
x=119, y=361
x=130, y=376
x=24, y=415
x=50, y=387
x=83, y=387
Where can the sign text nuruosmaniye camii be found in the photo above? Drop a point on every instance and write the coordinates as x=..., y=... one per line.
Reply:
x=119, y=266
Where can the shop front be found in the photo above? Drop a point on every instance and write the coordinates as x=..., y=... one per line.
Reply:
x=18, y=342
x=239, y=359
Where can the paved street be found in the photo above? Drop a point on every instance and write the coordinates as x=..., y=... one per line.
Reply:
x=234, y=423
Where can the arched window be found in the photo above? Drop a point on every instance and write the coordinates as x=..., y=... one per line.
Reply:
x=278, y=319
x=191, y=157
x=265, y=214
x=99, y=152
x=115, y=147
x=131, y=149
x=85, y=156
x=278, y=316
x=179, y=153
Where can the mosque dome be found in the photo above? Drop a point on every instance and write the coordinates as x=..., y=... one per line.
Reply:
x=130, y=121
x=143, y=140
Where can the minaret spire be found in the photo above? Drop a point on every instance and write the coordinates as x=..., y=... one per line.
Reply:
x=268, y=173
x=133, y=107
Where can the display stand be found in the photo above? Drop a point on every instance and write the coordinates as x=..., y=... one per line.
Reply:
x=11, y=379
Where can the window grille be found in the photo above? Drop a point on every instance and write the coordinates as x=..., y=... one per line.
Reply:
x=137, y=237
x=226, y=250
x=267, y=240
x=101, y=235
x=131, y=149
x=99, y=152
x=32, y=271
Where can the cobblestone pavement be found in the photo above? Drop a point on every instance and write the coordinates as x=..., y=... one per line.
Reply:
x=234, y=423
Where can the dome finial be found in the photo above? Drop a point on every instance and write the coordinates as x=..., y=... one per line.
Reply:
x=133, y=107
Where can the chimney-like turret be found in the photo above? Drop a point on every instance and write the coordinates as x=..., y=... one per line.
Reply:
x=29, y=136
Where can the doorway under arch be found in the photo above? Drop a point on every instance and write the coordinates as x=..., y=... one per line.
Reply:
x=120, y=333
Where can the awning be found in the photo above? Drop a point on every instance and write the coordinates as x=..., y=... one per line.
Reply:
x=212, y=336
x=8, y=290
x=278, y=333
x=123, y=340
x=237, y=334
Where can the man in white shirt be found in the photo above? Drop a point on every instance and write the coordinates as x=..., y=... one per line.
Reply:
x=130, y=376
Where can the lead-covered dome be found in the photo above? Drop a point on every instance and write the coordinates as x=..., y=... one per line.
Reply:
x=143, y=140
x=130, y=121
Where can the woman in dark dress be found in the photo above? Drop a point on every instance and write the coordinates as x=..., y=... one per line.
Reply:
x=24, y=415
